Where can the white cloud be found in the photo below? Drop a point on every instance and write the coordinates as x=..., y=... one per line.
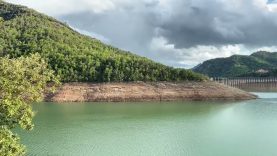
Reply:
x=270, y=49
x=272, y=7
x=189, y=57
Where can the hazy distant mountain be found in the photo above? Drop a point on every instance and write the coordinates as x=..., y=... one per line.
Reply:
x=261, y=63
x=73, y=56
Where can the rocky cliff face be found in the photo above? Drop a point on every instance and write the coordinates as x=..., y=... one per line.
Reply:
x=140, y=91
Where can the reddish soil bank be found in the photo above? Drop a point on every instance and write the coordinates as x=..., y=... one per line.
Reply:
x=151, y=91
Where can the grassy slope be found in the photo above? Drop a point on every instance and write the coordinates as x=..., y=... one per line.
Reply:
x=76, y=57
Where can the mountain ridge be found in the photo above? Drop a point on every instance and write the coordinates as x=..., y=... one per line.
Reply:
x=240, y=65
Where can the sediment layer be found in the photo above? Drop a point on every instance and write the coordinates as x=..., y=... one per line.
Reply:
x=141, y=91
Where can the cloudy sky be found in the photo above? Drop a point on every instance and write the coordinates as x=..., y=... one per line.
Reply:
x=180, y=33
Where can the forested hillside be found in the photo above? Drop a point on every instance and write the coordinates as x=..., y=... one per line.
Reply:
x=241, y=65
x=73, y=56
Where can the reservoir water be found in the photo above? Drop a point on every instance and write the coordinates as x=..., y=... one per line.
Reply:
x=204, y=128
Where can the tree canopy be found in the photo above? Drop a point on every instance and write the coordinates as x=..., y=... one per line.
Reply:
x=22, y=82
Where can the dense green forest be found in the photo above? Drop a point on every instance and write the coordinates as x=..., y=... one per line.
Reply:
x=240, y=65
x=73, y=56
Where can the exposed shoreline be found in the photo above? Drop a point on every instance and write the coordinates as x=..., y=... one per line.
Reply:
x=150, y=91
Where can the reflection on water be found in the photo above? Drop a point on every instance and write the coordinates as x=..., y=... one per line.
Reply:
x=245, y=128
x=258, y=87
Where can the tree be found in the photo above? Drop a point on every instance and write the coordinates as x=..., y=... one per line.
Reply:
x=22, y=82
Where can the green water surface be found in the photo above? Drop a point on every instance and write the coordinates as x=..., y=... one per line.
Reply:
x=212, y=128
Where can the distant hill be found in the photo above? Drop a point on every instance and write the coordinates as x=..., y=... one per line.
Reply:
x=261, y=63
x=73, y=56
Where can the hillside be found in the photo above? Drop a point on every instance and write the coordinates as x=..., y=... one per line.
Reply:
x=73, y=56
x=240, y=65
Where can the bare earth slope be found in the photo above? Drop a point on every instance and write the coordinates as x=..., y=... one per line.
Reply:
x=140, y=91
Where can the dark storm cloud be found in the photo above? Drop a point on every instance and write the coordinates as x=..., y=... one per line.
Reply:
x=185, y=23
x=218, y=23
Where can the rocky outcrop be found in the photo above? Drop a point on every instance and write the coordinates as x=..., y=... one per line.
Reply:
x=140, y=91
